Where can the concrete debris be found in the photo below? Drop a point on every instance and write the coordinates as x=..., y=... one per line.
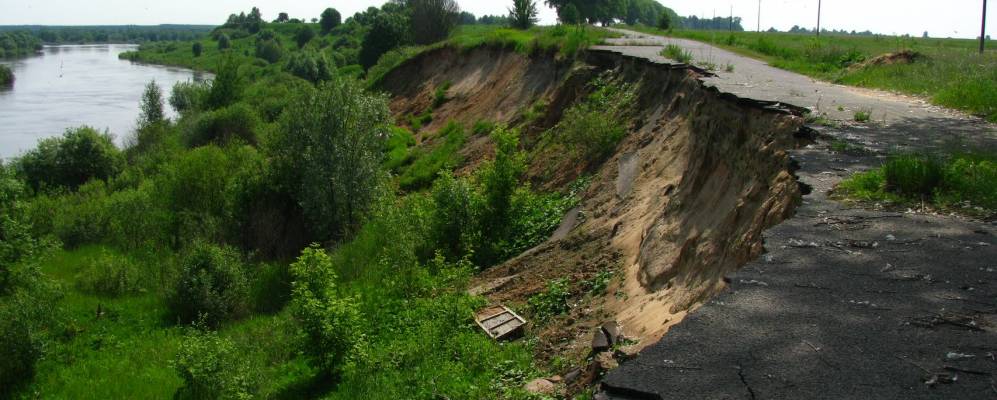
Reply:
x=600, y=342
x=802, y=244
x=953, y=356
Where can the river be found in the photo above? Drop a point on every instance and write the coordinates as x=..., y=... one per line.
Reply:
x=68, y=86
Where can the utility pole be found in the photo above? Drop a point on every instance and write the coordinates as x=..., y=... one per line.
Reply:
x=818, y=18
x=759, y=15
x=730, y=21
x=983, y=28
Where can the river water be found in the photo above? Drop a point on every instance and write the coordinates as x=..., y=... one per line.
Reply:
x=69, y=86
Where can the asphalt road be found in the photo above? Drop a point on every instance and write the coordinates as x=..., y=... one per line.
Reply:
x=847, y=303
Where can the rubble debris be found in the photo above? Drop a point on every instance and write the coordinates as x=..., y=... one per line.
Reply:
x=540, y=386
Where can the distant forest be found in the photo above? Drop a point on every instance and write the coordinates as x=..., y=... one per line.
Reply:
x=19, y=40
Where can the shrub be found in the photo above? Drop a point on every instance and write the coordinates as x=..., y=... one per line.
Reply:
x=112, y=275
x=440, y=96
x=224, y=42
x=189, y=96
x=196, y=49
x=211, y=368
x=212, y=286
x=664, y=21
x=269, y=50
x=329, y=153
x=26, y=310
x=6, y=76
x=81, y=154
x=227, y=86
x=432, y=20
x=304, y=35
x=551, y=302
x=310, y=65
x=456, y=223
x=594, y=127
x=330, y=321
x=225, y=125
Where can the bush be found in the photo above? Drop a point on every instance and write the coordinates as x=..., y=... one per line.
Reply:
x=456, y=218
x=211, y=368
x=328, y=153
x=594, y=127
x=676, y=53
x=27, y=314
x=6, y=76
x=212, y=287
x=862, y=116
x=330, y=321
x=233, y=123
x=310, y=65
x=81, y=154
x=189, y=96
x=224, y=42
x=304, y=35
x=227, y=86
x=111, y=275
x=440, y=96
x=196, y=49
x=269, y=50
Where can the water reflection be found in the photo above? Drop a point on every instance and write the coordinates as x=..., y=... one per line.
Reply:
x=68, y=86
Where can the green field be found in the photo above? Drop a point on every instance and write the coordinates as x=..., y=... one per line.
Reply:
x=950, y=72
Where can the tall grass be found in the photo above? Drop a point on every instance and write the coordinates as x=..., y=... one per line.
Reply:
x=676, y=53
x=961, y=181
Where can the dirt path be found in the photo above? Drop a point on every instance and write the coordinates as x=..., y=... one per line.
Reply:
x=847, y=302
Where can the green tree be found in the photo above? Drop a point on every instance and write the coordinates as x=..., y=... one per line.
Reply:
x=387, y=31
x=269, y=50
x=432, y=20
x=212, y=287
x=226, y=88
x=664, y=21
x=330, y=20
x=224, y=42
x=254, y=21
x=211, y=367
x=282, y=18
x=569, y=15
x=81, y=154
x=197, y=48
x=6, y=76
x=331, y=322
x=152, y=106
x=328, y=152
x=523, y=14
x=303, y=35
x=310, y=65
x=499, y=179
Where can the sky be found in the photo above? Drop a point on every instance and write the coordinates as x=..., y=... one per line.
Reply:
x=952, y=18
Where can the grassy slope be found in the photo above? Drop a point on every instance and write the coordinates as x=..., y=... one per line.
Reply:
x=952, y=75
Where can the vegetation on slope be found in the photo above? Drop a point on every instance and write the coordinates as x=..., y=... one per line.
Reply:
x=6, y=76
x=181, y=266
x=950, y=72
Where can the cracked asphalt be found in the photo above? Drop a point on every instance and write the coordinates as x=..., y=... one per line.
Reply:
x=847, y=302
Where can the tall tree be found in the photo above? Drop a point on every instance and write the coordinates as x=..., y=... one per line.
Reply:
x=523, y=14
x=304, y=35
x=282, y=17
x=330, y=20
x=152, y=105
x=432, y=20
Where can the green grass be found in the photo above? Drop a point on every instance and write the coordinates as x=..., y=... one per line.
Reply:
x=427, y=163
x=862, y=116
x=951, y=73
x=966, y=182
x=676, y=53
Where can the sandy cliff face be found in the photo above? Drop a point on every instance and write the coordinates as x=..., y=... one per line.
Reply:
x=681, y=203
